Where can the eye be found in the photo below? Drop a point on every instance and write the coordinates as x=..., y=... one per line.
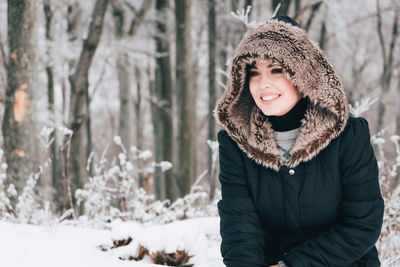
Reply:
x=254, y=73
x=277, y=70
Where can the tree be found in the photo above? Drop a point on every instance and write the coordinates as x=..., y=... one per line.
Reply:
x=57, y=183
x=388, y=57
x=17, y=122
x=186, y=159
x=79, y=86
x=125, y=119
x=161, y=106
x=211, y=89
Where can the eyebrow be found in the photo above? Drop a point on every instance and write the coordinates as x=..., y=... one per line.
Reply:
x=269, y=66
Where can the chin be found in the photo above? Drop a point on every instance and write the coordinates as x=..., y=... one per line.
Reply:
x=272, y=113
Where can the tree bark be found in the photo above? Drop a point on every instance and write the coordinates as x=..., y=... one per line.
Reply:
x=89, y=166
x=144, y=180
x=17, y=122
x=322, y=36
x=164, y=182
x=387, y=72
x=211, y=89
x=57, y=184
x=79, y=87
x=124, y=130
x=186, y=169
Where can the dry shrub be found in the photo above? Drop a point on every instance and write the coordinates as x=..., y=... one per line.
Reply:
x=178, y=258
x=123, y=242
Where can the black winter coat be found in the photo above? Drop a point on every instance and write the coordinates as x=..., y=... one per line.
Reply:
x=323, y=206
x=326, y=212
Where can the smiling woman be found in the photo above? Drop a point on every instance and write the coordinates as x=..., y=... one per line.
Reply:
x=299, y=178
x=270, y=88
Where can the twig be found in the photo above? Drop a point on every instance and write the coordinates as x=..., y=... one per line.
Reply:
x=203, y=174
x=369, y=16
x=68, y=175
x=3, y=55
x=314, y=9
x=380, y=34
x=96, y=86
x=139, y=17
x=276, y=10
x=161, y=104
x=395, y=34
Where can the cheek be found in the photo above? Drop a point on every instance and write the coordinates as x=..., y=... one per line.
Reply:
x=253, y=90
x=291, y=90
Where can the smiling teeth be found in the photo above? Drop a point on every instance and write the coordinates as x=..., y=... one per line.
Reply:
x=270, y=97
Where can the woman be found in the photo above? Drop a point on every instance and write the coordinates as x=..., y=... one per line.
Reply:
x=299, y=177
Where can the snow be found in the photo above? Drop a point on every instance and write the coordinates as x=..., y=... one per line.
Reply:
x=63, y=245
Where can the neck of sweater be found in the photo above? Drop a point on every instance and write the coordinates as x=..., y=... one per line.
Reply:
x=291, y=120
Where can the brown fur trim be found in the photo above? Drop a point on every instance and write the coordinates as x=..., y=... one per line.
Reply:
x=310, y=72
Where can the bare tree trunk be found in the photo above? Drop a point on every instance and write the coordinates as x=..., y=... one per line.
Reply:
x=17, y=121
x=137, y=103
x=88, y=133
x=55, y=161
x=164, y=182
x=124, y=130
x=137, y=107
x=397, y=132
x=314, y=9
x=297, y=5
x=79, y=86
x=127, y=101
x=211, y=89
x=387, y=72
x=186, y=169
x=322, y=36
x=125, y=117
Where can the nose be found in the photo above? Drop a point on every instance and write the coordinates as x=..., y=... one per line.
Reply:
x=265, y=81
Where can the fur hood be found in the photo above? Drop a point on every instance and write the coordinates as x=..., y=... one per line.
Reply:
x=310, y=72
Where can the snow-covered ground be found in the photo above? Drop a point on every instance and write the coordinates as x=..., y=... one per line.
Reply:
x=62, y=245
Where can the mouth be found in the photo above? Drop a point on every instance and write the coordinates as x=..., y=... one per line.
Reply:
x=269, y=99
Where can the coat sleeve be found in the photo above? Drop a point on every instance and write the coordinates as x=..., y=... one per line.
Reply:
x=361, y=211
x=240, y=228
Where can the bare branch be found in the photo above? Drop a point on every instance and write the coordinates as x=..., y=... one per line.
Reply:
x=131, y=7
x=369, y=16
x=380, y=34
x=395, y=34
x=118, y=14
x=300, y=14
x=79, y=79
x=48, y=12
x=161, y=104
x=3, y=55
x=139, y=17
x=276, y=10
x=96, y=86
x=314, y=9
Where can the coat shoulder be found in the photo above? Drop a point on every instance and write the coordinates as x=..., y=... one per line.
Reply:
x=224, y=138
x=355, y=139
x=227, y=144
x=356, y=127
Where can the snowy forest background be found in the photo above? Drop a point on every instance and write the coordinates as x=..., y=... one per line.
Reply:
x=106, y=111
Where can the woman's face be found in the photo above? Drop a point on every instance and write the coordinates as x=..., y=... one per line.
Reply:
x=273, y=93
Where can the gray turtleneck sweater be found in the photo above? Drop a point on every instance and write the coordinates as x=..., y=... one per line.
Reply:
x=285, y=141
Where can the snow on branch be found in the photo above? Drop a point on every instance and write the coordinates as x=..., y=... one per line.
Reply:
x=243, y=16
x=361, y=106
